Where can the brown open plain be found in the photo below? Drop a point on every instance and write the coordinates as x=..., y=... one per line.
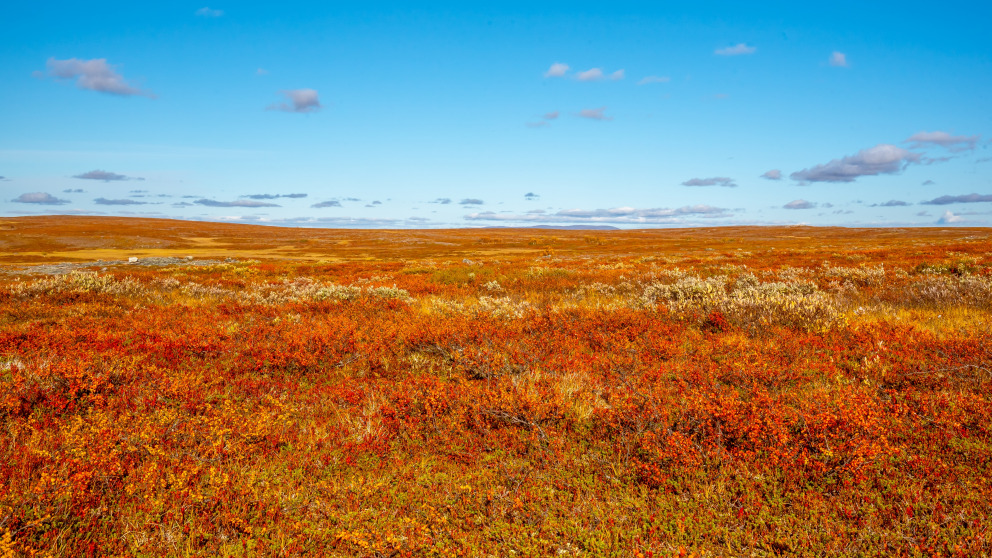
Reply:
x=31, y=240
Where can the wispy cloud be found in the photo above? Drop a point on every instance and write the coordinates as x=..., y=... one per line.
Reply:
x=273, y=196
x=736, y=50
x=799, y=204
x=327, y=222
x=712, y=181
x=557, y=70
x=73, y=191
x=93, y=75
x=331, y=203
x=592, y=74
x=442, y=201
x=881, y=159
x=471, y=201
x=943, y=139
x=300, y=100
x=40, y=198
x=838, y=59
x=105, y=201
x=105, y=176
x=654, y=79
x=547, y=118
x=235, y=203
x=890, y=203
x=618, y=75
x=595, y=114
x=773, y=174
x=209, y=12
x=530, y=196
x=966, y=198
x=619, y=215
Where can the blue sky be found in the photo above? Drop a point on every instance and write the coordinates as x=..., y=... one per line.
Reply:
x=379, y=114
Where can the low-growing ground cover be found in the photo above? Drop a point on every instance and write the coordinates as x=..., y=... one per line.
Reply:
x=718, y=392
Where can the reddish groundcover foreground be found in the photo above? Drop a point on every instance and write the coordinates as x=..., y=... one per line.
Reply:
x=505, y=392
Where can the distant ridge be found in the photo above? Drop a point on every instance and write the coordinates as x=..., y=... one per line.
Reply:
x=565, y=227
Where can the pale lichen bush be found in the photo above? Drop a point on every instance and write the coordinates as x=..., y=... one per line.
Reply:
x=305, y=289
x=76, y=282
x=493, y=286
x=747, y=301
x=862, y=276
x=538, y=272
x=950, y=290
x=498, y=307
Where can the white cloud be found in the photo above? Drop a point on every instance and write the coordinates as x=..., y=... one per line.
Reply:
x=595, y=114
x=838, y=59
x=93, y=75
x=947, y=218
x=943, y=139
x=736, y=50
x=618, y=75
x=773, y=174
x=551, y=115
x=592, y=74
x=881, y=159
x=209, y=12
x=557, y=70
x=303, y=101
x=654, y=79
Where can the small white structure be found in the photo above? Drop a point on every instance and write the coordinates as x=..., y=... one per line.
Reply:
x=132, y=259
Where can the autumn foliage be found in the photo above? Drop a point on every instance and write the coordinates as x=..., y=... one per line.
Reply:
x=745, y=392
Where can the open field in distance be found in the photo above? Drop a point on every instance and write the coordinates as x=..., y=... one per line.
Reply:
x=493, y=392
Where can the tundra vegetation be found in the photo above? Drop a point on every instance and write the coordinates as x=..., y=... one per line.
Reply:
x=710, y=392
